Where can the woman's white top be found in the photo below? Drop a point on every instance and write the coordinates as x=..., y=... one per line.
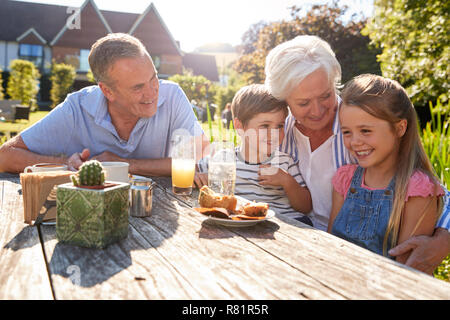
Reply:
x=317, y=170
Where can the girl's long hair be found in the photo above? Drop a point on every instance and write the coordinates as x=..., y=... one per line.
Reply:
x=387, y=100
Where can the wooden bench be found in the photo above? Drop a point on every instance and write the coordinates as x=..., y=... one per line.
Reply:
x=21, y=112
x=7, y=109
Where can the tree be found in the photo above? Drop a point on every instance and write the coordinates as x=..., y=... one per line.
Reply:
x=350, y=46
x=62, y=78
x=226, y=94
x=90, y=77
x=23, y=83
x=250, y=37
x=414, y=36
x=196, y=88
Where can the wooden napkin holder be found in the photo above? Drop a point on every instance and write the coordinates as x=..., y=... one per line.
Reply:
x=39, y=193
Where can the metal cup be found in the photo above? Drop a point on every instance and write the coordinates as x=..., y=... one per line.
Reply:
x=141, y=197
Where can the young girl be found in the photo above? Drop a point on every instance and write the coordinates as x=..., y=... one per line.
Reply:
x=392, y=194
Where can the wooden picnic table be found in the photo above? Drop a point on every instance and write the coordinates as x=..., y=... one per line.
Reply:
x=176, y=253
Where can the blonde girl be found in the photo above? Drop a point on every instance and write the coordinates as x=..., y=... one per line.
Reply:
x=392, y=194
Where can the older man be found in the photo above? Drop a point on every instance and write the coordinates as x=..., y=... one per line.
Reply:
x=129, y=116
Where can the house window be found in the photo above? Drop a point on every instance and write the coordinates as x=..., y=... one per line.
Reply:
x=84, y=60
x=156, y=61
x=32, y=52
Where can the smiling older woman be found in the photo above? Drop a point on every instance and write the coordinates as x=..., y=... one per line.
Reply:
x=306, y=74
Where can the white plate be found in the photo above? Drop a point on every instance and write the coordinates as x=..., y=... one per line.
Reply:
x=49, y=223
x=240, y=223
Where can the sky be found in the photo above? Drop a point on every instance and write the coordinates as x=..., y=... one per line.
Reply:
x=197, y=22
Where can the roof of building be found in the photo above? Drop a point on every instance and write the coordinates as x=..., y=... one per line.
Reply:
x=49, y=22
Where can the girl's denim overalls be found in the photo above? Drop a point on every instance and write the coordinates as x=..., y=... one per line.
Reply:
x=364, y=216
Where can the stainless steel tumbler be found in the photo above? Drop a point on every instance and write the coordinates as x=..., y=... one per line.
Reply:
x=141, y=197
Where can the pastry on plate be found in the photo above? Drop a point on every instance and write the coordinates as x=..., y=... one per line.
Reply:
x=210, y=199
x=255, y=209
x=214, y=212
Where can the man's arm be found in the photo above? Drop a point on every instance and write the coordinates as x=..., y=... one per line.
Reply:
x=15, y=156
x=146, y=167
x=153, y=167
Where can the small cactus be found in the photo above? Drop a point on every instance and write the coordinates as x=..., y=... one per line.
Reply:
x=91, y=173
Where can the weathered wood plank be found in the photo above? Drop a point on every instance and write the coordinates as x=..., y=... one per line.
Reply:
x=23, y=272
x=11, y=200
x=347, y=268
x=352, y=271
x=176, y=254
x=176, y=263
x=220, y=263
x=129, y=269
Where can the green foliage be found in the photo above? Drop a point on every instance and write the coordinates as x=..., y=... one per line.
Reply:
x=217, y=132
x=90, y=76
x=23, y=83
x=196, y=88
x=225, y=95
x=3, y=139
x=414, y=36
x=1, y=85
x=436, y=141
x=326, y=21
x=208, y=113
x=443, y=270
x=62, y=78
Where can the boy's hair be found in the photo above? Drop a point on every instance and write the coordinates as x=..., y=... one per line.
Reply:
x=253, y=99
x=386, y=99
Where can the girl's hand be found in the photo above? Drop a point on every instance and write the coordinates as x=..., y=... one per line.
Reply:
x=272, y=176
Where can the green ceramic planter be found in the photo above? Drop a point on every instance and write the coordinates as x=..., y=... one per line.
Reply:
x=92, y=218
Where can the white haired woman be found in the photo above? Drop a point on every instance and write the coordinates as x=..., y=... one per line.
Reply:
x=306, y=74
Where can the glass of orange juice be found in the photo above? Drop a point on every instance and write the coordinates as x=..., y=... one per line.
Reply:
x=183, y=164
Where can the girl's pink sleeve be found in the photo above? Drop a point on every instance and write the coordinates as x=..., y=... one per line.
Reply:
x=342, y=179
x=420, y=185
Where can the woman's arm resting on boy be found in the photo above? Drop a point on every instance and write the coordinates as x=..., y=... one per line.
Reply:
x=338, y=201
x=427, y=252
x=15, y=156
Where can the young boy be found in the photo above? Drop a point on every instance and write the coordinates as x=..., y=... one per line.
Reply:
x=263, y=173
